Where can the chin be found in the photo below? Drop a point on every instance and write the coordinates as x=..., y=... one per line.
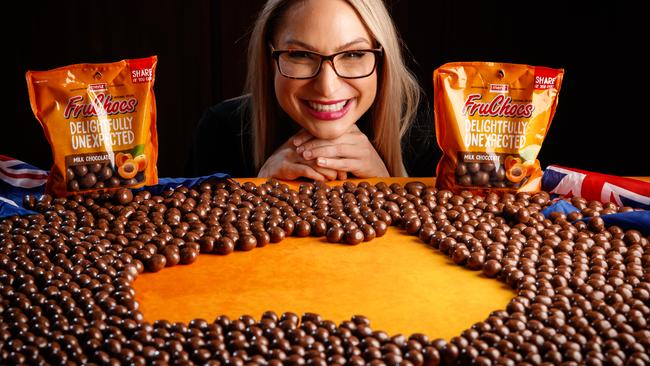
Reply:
x=328, y=132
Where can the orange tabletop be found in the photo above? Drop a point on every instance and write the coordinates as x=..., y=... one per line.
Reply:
x=399, y=283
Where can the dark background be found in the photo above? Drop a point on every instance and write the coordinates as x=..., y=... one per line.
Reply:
x=201, y=48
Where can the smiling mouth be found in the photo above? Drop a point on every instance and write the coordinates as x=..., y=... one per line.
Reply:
x=328, y=107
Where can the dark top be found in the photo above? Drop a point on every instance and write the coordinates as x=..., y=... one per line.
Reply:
x=222, y=141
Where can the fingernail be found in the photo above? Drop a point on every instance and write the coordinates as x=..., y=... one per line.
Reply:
x=296, y=142
x=307, y=154
x=300, y=149
x=322, y=161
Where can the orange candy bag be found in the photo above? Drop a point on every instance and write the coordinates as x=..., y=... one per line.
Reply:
x=100, y=120
x=491, y=119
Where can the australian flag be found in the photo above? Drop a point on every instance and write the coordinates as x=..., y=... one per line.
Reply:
x=605, y=188
x=570, y=182
x=18, y=179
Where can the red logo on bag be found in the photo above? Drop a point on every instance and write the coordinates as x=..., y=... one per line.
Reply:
x=545, y=78
x=141, y=70
x=102, y=105
x=499, y=88
x=98, y=87
x=500, y=106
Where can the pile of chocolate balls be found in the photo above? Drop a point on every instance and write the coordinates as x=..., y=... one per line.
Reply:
x=582, y=290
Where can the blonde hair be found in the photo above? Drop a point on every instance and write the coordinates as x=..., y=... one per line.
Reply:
x=389, y=119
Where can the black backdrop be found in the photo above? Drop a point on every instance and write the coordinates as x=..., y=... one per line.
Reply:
x=201, y=60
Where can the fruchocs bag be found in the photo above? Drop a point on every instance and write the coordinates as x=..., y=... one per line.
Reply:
x=491, y=119
x=100, y=120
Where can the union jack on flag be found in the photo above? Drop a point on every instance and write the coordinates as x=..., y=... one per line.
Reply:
x=18, y=179
x=571, y=182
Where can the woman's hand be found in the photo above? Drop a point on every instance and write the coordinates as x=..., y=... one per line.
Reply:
x=286, y=163
x=352, y=153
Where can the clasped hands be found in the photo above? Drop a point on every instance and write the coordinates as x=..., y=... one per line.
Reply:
x=304, y=155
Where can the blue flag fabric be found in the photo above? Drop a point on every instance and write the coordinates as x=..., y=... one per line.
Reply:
x=19, y=179
x=559, y=206
x=167, y=183
x=638, y=220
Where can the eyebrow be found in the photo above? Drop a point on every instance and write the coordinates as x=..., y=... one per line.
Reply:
x=342, y=47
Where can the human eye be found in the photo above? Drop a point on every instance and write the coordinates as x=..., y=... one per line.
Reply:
x=351, y=55
x=300, y=55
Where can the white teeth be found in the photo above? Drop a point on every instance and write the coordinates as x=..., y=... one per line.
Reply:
x=327, y=107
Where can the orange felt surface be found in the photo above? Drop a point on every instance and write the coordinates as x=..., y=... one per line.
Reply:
x=400, y=284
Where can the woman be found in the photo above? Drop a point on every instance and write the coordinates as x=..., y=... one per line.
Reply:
x=329, y=98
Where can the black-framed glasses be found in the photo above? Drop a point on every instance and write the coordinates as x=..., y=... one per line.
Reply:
x=350, y=64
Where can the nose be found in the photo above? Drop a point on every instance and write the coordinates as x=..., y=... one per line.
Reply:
x=326, y=82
